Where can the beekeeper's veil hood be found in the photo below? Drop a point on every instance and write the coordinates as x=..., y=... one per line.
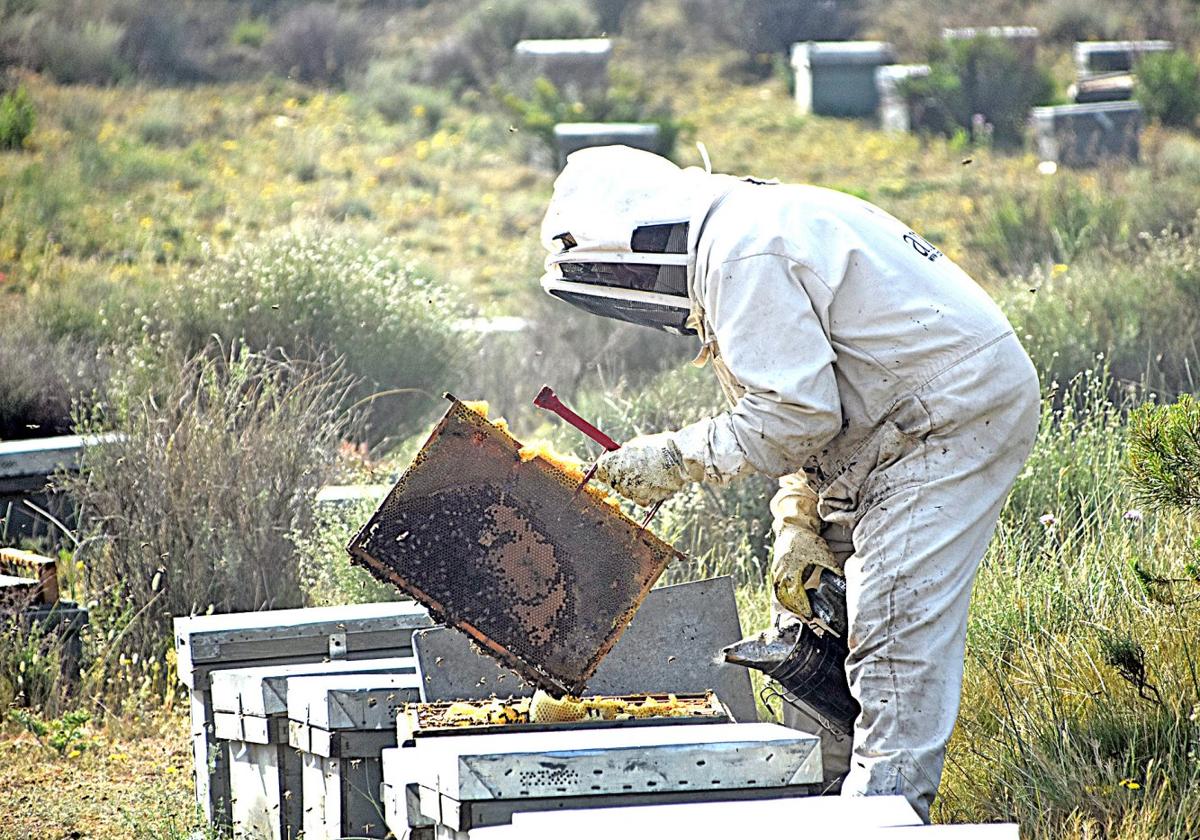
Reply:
x=621, y=231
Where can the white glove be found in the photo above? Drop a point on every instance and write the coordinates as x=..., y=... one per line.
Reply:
x=799, y=549
x=645, y=470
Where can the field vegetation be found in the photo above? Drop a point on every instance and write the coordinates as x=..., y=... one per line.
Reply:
x=262, y=238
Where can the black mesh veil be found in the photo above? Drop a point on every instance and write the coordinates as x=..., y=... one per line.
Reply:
x=657, y=288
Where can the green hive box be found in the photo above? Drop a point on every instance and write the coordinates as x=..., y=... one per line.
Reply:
x=837, y=78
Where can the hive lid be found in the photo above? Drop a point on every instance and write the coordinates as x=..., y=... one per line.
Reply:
x=356, y=631
x=500, y=547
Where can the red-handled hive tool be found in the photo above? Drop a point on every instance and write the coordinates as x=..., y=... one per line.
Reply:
x=548, y=400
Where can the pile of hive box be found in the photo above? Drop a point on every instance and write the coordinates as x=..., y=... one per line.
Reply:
x=299, y=729
x=860, y=79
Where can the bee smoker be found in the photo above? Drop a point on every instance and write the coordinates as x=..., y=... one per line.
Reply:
x=808, y=659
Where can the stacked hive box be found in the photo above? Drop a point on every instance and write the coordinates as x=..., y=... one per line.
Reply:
x=571, y=137
x=25, y=470
x=250, y=710
x=206, y=644
x=1084, y=135
x=340, y=725
x=467, y=781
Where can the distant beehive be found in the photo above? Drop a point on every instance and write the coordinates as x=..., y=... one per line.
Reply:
x=1085, y=135
x=837, y=78
x=894, y=111
x=571, y=137
x=1095, y=57
x=578, y=67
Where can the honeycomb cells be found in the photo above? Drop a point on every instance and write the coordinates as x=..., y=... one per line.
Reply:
x=501, y=548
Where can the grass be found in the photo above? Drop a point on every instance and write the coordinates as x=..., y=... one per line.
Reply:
x=125, y=207
x=133, y=782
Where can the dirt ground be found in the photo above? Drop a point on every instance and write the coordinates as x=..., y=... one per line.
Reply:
x=132, y=780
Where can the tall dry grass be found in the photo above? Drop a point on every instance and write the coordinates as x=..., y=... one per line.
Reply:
x=194, y=507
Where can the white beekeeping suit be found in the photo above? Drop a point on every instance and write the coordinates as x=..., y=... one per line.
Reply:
x=859, y=356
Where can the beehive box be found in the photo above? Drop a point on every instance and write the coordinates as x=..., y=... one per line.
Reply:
x=1085, y=135
x=467, y=782
x=204, y=644
x=340, y=725
x=837, y=78
x=894, y=111
x=571, y=137
x=1096, y=57
x=250, y=717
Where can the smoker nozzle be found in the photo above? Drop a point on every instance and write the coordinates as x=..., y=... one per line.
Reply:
x=764, y=652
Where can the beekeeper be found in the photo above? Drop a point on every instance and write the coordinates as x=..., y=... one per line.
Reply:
x=864, y=369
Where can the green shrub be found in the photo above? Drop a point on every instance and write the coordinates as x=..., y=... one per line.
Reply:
x=326, y=574
x=981, y=76
x=77, y=51
x=192, y=508
x=167, y=124
x=319, y=44
x=1054, y=221
x=625, y=101
x=1068, y=21
x=937, y=102
x=387, y=87
x=1168, y=86
x=17, y=118
x=322, y=292
x=611, y=13
x=155, y=42
x=65, y=736
x=1164, y=454
x=249, y=32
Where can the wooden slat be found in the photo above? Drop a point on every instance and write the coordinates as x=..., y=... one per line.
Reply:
x=43, y=569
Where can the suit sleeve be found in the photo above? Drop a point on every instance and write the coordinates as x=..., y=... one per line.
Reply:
x=768, y=315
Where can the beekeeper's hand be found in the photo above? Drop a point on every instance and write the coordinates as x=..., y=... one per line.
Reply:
x=799, y=550
x=645, y=470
